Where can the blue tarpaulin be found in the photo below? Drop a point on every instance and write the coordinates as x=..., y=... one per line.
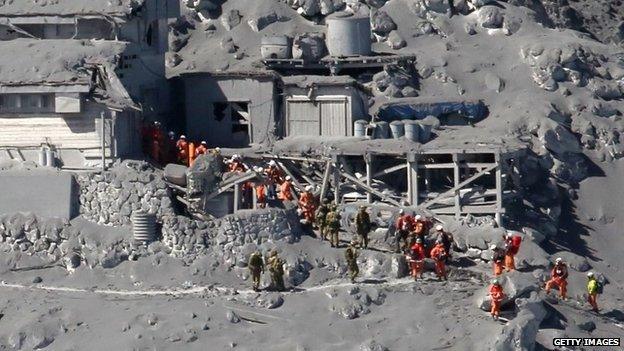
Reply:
x=471, y=110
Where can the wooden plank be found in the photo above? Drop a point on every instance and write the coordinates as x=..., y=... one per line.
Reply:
x=294, y=180
x=466, y=210
x=325, y=184
x=368, y=158
x=236, y=196
x=357, y=182
x=499, y=191
x=459, y=186
x=456, y=180
x=337, y=182
x=389, y=170
x=225, y=186
x=412, y=182
x=452, y=165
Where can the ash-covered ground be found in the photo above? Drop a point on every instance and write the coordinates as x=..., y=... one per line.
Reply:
x=551, y=75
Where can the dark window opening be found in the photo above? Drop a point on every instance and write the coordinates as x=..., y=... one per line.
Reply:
x=220, y=110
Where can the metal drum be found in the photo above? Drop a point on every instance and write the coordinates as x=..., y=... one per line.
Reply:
x=359, y=129
x=398, y=129
x=348, y=34
x=412, y=131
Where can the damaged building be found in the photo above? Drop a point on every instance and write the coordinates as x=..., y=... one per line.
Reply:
x=94, y=70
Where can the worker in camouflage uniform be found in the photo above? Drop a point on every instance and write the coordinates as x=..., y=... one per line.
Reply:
x=320, y=218
x=276, y=269
x=333, y=225
x=351, y=254
x=256, y=268
x=363, y=226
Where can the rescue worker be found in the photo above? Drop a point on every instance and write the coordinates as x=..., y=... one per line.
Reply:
x=236, y=164
x=510, y=252
x=275, y=176
x=447, y=240
x=157, y=142
x=201, y=149
x=439, y=254
x=256, y=268
x=416, y=259
x=593, y=289
x=276, y=269
x=182, y=147
x=418, y=229
x=351, y=254
x=496, y=295
x=333, y=226
x=172, y=155
x=403, y=227
x=363, y=226
x=261, y=195
x=498, y=259
x=307, y=205
x=320, y=218
x=559, y=278
x=285, y=193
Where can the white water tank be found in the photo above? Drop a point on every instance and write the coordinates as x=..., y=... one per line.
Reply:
x=348, y=34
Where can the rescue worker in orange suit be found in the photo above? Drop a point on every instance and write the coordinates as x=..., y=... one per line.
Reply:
x=498, y=259
x=447, y=240
x=182, y=147
x=201, y=149
x=307, y=205
x=285, y=193
x=559, y=278
x=416, y=259
x=157, y=142
x=510, y=251
x=419, y=227
x=261, y=195
x=403, y=225
x=275, y=176
x=236, y=164
x=496, y=298
x=439, y=254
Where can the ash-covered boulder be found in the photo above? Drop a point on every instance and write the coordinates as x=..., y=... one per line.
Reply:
x=231, y=19
x=382, y=24
x=494, y=82
x=270, y=301
x=261, y=21
x=309, y=46
x=515, y=285
x=372, y=345
x=490, y=17
x=395, y=41
x=521, y=331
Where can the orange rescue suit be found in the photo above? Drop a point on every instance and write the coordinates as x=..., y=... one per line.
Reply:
x=497, y=295
x=285, y=193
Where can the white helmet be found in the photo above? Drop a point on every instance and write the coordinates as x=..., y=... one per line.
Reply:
x=493, y=247
x=272, y=163
x=182, y=136
x=418, y=217
x=509, y=234
x=559, y=260
x=590, y=274
x=439, y=228
x=401, y=211
x=309, y=188
x=203, y=142
x=288, y=177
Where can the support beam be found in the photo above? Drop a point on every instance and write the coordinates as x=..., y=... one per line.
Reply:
x=456, y=180
x=459, y=186
x=383, y=196
x=325, y=184
x=412, y=180
x=499, y=191
x=236, y=196
x=390, y=170
x=337, y=183
x=368, y=158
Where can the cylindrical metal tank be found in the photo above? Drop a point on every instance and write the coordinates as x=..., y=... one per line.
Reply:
x=348, y=34
x=276, y=47
x=42, y=157
x=412, y=131
x=143, y=227
x=50, y=159
x=382, y=130
x=425, y=132
x=359, y=128
x=398, y=129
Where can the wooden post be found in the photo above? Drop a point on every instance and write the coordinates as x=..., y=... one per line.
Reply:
x=236, y=196
x=499, y=190
x=368, y=158
x=325, y=185
x=336, y=160
x=103, y=136
x=412, y=179
x=456, y=180
x=254, y=197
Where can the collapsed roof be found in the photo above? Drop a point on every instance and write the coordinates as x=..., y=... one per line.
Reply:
x=53, y=62
x=68, y=7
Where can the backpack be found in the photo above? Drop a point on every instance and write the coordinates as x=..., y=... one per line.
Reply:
x=599, y=287
x=515, y=244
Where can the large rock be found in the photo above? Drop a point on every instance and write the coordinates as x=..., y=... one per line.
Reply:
x=490, y=17
x=382, y=23
x=520, y=333
x=531, y=255
x=494, y=82
x=559, y=139
x=395, y=41
x=231, y=19
x=262, y=21
x=515, y=285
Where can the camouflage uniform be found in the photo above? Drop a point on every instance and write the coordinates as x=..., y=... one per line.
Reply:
x=333, y=226
x=320, y=219
x=363, y=226
x=351, y=254
x=276, y=269
x=256, y=267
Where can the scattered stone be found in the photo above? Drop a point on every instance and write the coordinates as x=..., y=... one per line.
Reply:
x=37, y=280
x=231, y=19
x=490, y=17
x=587, y=325
x=395, y=41
x=382, y=23
x=494, y=82
x=232, y=317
